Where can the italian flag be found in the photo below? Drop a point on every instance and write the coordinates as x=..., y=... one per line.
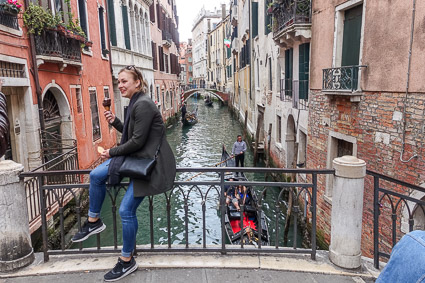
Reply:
x=227, y=43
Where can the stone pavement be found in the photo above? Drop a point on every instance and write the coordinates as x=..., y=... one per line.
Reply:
x=193, y=267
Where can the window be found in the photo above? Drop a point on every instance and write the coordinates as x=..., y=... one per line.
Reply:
x=278, y=129
x=166, y=63
x=338, y=145
x=161, y=58
x=270, y=74
x=267, y=18
x=111, y=18
x=154, y=56
x=79, y=100
x=94, y=114
x=102, y=32
x=288, y=72
x=82, y=13
x=304, y=65
x=124, y=12
x=254, y=19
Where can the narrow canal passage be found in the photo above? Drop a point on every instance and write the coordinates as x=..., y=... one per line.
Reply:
x=195, y=146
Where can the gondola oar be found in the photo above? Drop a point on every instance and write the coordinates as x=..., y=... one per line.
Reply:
x=215, y=165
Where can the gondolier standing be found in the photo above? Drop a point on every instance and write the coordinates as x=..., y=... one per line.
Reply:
x=238, y=150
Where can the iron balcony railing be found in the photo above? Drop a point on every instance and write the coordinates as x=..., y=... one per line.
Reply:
x=398, y=208
x=207, y=195
x=291, y=12
x=341, y=78
x=9, y=19
x=53, y=43
x=295, y=91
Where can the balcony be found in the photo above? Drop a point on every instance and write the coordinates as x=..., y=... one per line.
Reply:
x=295, y=91
x=291, y=22
x=54, y=46
x=167, y=39
x=8, y=19
x=342, y=81
x=234, y=18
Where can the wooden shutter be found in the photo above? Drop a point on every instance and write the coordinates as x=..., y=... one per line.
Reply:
x=161, y=58
x=152, y=12
x=351, y=37
x=155, y=56
x=304, y=60
x=254, y=19
x=111, y=21
x=288, y=71
x=126, y=27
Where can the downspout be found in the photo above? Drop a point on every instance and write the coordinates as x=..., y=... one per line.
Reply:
x=407, y=87
x=37, y=81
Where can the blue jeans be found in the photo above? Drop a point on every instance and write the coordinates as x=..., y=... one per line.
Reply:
x=407, y=261
x=128, y=207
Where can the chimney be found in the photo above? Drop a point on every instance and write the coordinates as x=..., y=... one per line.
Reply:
x=209, y=25
x=223, y=11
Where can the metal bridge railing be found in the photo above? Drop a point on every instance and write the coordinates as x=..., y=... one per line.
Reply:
x=398, y=206
x=177, y=201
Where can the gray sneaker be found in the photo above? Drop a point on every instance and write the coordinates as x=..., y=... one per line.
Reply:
x=121, y=269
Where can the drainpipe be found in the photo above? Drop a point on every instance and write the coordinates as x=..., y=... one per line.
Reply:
x=37, y=81
x=407, y=87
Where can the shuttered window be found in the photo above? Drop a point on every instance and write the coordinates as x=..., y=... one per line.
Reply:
x=83, y=15
x=126, y=25
x=304, y=62
x=111, y=19
x=154, y=56
x=152, y=12
x=102, y=30
x=254, y=19
x=267, y=18
x=161, y=58
x=288, y=71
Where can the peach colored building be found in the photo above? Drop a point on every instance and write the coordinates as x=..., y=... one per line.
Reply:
x=367, y=99
x=165, y=44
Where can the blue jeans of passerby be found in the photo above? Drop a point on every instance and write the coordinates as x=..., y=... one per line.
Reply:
x=407, y=261
x=128, y=207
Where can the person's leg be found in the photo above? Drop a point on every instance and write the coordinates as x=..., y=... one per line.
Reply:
x=128, y=207
x=242, y=158
x=97, y=191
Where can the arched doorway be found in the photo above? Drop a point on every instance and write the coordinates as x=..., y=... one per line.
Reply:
x=52, y=137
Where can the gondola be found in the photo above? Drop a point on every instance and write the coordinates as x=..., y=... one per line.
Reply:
x=191, y=118
x=208, y=103
x=250, y=235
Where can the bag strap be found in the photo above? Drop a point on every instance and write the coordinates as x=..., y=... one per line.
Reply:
x=160, y=142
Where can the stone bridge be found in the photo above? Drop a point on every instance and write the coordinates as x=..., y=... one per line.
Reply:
x=222, y=96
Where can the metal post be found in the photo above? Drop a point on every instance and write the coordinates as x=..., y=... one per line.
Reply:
x=222, y=208
x=313, y=217
x=43, y=219
x=376, y=222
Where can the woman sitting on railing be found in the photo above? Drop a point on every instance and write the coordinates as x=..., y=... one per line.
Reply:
x=143, y=136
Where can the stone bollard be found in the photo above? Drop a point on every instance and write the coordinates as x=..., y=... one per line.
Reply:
x=347, y=211
x=15, y=241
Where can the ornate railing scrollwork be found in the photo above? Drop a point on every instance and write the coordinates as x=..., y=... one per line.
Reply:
x=342, y=78
x=291, y=12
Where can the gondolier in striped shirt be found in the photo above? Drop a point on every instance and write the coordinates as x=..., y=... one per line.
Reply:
x=238, y=150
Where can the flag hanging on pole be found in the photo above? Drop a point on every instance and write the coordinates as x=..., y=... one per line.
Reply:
x=227, y=43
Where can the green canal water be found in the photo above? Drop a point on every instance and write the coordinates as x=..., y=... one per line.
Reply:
x=196, y=146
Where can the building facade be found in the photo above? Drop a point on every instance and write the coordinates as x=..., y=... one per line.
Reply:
x=130, y=44
x=204, y=22
x=165, y=44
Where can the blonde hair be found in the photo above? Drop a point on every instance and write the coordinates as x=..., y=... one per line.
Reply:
x=137, y=75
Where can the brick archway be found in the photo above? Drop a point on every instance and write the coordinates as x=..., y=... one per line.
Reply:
x=223, y=96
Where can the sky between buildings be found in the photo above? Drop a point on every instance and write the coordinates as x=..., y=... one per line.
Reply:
x=187, y=10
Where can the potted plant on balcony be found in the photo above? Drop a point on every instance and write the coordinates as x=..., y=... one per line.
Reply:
x=36, y=19
x=11, y=7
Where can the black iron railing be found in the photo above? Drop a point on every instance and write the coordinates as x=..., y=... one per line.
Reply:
x=65, y=161
x=341, y=78
x=295, y=91
x=291, y=12
x=53, y=43
x=396, y=204
x=9, y=19
x=184, y=195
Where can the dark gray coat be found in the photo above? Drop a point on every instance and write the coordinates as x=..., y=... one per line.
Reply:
x=144, y=134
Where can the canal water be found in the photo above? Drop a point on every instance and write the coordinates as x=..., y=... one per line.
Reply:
x=199, y=145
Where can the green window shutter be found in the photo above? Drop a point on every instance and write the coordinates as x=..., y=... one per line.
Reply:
x=126, y=27
x=111, y=20
x=304, y=60
x=288, y=71
x=254, y=19
x=351, y=36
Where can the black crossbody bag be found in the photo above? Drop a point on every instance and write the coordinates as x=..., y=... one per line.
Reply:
x=138, y=167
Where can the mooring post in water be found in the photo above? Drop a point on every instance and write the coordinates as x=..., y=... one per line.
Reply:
x=15, y=242
x=347, y=211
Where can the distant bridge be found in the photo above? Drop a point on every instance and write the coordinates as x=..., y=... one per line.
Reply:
x=190, y=90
